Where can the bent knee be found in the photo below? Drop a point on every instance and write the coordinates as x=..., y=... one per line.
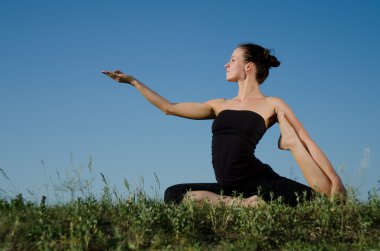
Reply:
x=174, y=194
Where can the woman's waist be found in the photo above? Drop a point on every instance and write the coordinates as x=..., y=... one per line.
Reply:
x=233, y=156
x=235, y=172
x=233, y=140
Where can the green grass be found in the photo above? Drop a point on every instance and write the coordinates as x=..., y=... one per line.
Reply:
x=139, y=222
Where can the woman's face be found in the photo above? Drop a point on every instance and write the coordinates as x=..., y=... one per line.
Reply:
x=235, y=67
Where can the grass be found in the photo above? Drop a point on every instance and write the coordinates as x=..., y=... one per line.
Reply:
x=139, y=222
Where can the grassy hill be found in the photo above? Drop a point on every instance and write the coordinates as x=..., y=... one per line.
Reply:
x=139, y=222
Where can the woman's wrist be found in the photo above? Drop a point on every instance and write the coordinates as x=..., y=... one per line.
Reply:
x=134, y=82
x=336, y=181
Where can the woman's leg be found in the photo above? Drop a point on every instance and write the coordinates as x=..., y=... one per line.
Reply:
x=178, y=192
x=314, y=175
x=217, y=199
x=207, y=192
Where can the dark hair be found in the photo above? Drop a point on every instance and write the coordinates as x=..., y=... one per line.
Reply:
x=261, y=57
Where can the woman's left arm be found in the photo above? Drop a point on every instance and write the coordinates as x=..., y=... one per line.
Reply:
x=316, y=153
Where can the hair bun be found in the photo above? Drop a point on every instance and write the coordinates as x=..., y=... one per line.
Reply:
x=271, y=61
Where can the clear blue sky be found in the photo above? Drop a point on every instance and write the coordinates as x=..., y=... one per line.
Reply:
x=55, y=103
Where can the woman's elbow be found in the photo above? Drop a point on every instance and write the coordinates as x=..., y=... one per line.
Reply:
x=168, y=109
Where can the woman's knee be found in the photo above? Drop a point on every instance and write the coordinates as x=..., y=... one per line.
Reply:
x=174, y=194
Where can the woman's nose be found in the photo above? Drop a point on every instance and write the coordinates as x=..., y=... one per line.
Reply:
x=226, y=66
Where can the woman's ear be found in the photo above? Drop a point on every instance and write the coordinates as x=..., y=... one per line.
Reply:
x=249, y=67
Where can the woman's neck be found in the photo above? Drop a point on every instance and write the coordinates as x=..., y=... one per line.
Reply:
x=248, y=89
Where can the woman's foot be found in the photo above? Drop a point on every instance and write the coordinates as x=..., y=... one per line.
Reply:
x=288, y=136
x=216, y=199
x=253, y=201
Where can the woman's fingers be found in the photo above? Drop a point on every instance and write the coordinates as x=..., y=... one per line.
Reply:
x=113, y=75
x=109, y=74
x=280, y=113
x=118, y=76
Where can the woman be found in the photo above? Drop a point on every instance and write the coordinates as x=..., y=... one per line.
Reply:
x=239, y=123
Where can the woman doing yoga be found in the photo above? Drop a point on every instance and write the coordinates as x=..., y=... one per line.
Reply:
x=239, y=124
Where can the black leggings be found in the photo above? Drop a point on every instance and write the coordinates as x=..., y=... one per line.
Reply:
x=289, y=190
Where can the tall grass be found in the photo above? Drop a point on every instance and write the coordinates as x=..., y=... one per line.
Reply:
x=139, y=222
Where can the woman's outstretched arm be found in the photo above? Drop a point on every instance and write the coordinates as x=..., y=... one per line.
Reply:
x=187, y=110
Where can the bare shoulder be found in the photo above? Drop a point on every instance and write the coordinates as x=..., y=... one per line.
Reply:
x=275, y=101
x=278, y=102
x=216, y=102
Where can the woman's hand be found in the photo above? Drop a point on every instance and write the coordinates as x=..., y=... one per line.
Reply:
x=120, y=77
x=338, y=189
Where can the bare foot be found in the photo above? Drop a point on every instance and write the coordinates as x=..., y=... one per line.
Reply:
x=215, y=199
x=288, y=136
x=253, y=201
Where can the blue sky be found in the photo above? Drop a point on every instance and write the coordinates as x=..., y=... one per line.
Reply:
x=57, y=110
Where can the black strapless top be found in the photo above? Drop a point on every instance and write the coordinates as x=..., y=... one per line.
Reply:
x=235, y=136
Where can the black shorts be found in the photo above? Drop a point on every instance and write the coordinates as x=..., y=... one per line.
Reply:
x=268, y=188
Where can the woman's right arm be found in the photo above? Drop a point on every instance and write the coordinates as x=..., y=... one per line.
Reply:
x=186, y=110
